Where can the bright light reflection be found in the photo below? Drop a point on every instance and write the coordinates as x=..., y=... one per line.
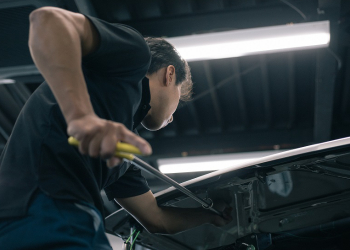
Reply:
x=243, y=48
x=201, y=166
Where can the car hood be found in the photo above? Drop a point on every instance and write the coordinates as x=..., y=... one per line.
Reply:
x=294, y=189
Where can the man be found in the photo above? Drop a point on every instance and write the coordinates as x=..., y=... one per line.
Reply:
x=94, y=79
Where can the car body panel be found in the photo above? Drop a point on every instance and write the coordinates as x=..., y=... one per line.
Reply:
x=290, y=190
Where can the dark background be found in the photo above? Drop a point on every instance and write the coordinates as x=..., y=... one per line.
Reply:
x=254, y=103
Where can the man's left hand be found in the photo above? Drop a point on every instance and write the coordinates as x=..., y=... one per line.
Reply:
x=226, y=210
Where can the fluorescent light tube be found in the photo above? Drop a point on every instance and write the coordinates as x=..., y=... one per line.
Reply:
x=208, y=163
x=7, y=81
x=253, y=41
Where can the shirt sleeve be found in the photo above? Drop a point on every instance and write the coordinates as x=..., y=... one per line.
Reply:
x=132, y=183
x=121, y=50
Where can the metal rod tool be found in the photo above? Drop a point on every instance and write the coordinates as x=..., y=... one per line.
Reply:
x=148, y=168
x=126, y=151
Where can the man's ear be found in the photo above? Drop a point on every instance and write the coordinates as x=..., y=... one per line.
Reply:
x=170, y=75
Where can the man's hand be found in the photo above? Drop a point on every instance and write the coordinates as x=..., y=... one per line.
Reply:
x=226, y=210
x=98, y=137
x=171, y=220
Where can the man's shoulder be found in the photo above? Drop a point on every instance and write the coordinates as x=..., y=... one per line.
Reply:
x=122, y=50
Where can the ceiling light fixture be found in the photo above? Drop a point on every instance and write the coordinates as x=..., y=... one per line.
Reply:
x=253, y=41
x=7, y=81
x=208, y=163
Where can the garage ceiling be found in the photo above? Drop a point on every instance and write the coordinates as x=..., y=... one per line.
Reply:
x=264, y=102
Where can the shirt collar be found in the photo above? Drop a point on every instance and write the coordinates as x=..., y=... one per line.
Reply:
x=144, y=106
x=146, y=93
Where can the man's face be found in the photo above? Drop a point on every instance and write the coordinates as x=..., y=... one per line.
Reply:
x=165, y=96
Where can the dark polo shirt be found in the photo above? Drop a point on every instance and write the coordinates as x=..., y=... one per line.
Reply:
x=37, y=155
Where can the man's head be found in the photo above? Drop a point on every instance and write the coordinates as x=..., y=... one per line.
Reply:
x=170, y=81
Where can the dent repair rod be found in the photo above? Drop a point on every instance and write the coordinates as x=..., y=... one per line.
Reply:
x=127, y=151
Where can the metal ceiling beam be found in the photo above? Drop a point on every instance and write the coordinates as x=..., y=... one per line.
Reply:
x=266, y=90
x=29, y=79
x=213, y=94
x=326, y=71
x=227, y=80
x=9, y=72
x=240, y=92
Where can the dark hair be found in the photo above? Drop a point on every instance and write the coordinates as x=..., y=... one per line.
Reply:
x=164, y=54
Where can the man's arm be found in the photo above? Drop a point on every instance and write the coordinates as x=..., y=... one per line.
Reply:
x=57, y=40
x=170, y=220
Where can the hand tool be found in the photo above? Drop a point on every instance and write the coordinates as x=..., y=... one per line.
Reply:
x=127, y=151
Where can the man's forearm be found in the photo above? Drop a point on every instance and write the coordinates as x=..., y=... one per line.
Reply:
x=175, y=220
x=170, y=220
x=56, y=48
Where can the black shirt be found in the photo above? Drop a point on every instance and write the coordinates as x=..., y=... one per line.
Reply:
x=37, y=154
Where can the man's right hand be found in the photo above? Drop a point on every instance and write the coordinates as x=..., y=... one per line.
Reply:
x=98, y=137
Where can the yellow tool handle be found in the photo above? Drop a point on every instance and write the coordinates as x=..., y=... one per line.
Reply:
x=124, y=155
x=123, y=150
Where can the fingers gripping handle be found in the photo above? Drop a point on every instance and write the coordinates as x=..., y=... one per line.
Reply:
x=123, y=150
